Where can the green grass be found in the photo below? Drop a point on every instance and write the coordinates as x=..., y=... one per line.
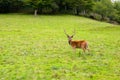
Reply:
x=36, y=48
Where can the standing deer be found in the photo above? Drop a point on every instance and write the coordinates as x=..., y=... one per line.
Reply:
x=77, y=43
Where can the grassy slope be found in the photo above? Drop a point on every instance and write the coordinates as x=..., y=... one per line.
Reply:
x=35, y=48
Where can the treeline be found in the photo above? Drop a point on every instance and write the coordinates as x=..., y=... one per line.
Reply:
x=103, y=10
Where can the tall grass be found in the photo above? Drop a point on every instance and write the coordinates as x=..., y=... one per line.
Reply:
x=36, y=48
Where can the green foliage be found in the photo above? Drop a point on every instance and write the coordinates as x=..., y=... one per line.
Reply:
x=35, y=3
x=7, y=6
x=117, y=7
x=51, y=6
x=82, y=6
x=105, y=8
x=36, y=48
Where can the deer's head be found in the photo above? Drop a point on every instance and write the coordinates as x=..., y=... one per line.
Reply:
x=68, y=36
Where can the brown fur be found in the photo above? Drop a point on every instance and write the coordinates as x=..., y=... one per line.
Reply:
x=79, y=44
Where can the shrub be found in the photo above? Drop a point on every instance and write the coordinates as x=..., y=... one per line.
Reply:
x=95, y=16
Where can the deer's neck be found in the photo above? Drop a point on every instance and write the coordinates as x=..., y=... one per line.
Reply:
x=69, y=42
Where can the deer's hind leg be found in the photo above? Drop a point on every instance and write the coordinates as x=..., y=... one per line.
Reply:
x=88, y=50
x=86, y=47
x=83, y=48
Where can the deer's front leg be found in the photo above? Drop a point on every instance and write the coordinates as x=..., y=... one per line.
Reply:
x=74, y=49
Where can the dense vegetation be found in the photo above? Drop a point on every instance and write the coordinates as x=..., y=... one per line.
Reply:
x=103, y=10
x=36, y=48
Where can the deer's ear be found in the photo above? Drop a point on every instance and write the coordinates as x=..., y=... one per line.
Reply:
x=72, y=36
x=68, y=36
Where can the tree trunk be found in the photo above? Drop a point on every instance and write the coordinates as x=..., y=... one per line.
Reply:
x=84, y=12
x=35, y=12
x=77, y=12
x=102, y=19
x=65, y=8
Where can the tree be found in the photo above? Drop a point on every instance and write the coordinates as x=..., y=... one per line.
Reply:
x=7, y=6
x=117, y=8
x=87, y=7
x=81, y=6
x=49, y=6
x=104, y=8
x=34, y=4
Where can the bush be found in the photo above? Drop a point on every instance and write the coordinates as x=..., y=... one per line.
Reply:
x=95, y=16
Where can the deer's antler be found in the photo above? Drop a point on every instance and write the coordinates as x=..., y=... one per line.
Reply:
x=65, y=32
x=74, y=32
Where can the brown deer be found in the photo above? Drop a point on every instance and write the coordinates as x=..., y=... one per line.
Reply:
x=77, y=43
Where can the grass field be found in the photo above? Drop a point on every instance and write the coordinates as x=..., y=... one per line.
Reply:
x=36, y=48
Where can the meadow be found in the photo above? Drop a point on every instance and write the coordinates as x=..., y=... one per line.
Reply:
x=36, y=48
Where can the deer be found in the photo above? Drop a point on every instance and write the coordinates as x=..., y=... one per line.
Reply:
x=80, y=44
